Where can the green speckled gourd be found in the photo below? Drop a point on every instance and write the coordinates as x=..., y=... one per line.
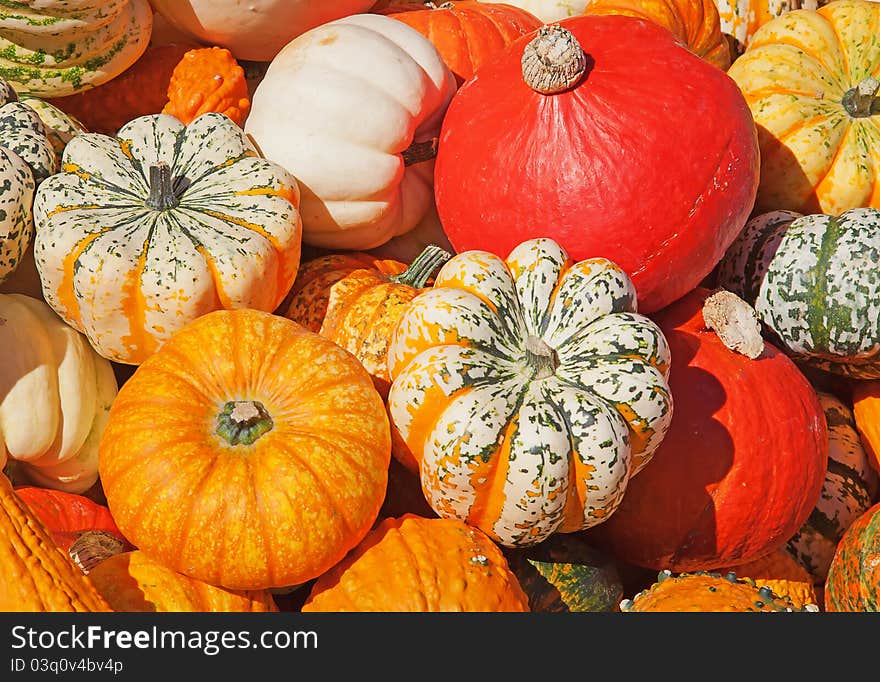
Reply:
x=61, y=127
x=53, y=48
x=26, y=159
x=849, y=490
x=566, y=574
x=703, y=591
x=815, y=285
x=853, y=583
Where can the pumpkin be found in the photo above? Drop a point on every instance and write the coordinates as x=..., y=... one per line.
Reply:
x=742, y=464
x=23, y=132
x=60, y=126
x=357, y=307
x=850, y=488
x=365, y=183
x=208, y=79
x=853, y=583
x=781, y=572
x=140, y=90
x=528, y=390
x=702, y=591
x=255, y=30
x=694, y=22
x=565, y=574
x=813, y=282
x=809, y=79
x=582, y=153
x=134, y=582
x=465, y=34
x=436, y=565
x=36, y=577
x=141, y=233
x=52, y=49
x=262, y=447
x=866, y=400
x=55, y=395
x=549, y=10
x=740, y=19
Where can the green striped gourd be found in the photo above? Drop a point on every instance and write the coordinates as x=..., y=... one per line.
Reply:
x=814, y=283
x=529, y=390
x=53, y=48
x=60, y=126
x=143, y=232
x=849, y=490
x=853, y=583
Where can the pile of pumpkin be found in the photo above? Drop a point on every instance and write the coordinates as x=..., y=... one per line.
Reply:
x=475, y=306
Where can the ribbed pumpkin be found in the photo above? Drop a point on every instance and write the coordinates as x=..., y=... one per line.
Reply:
x=529, y=390
x=702, y=591
x=813, y=282
x=262, y=447
x=779, y=571
x=740, y=19
x=853, y=583
x=60, y=126
x=850, y=488
x=52, y=49
x=36, y=577
x=741, y=466
x=134, y=582
x=695, y=22
x=465, y=33
x=563, y=136
x=810, y=79
x=143, y=232
x=866, y=412
x=414, y=564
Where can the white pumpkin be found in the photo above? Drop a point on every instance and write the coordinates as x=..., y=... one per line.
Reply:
x=53, y=48
x=348, y=108
x=55, y=396
x=254, y=30
x=549, y=10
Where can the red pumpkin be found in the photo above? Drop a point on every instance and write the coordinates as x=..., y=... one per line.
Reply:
x=631, y=147
x=741, y=466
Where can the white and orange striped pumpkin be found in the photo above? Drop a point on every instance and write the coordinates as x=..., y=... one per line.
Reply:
x=528, y=390
x=146, y=231
x=741, y=18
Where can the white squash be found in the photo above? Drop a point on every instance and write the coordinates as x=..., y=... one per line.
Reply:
x=55, y=396
x=351, y=109
x=254, y=30
x=549, y=10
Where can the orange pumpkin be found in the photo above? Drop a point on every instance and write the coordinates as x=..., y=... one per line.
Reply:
x=866, y=411
x=263, y=450
x=695, y=22
x=208, y=79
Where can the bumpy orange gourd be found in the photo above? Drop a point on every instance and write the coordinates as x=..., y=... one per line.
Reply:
x=779, y=571
x=132, y=581
x=416, y=564
x=208, y=79
x=695, y=22
x=262, y=448
x=866, y=411
x=35, y=576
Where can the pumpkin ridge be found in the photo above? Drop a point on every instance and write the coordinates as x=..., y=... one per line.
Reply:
x=404, y=544
x=818, y=292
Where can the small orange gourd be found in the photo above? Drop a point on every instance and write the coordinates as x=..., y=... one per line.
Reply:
x=208, y=79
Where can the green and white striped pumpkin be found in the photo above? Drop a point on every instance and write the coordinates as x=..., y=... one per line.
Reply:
x=143, y=232
x=26, y=158
x=528, y=390
x=814, y=282
x=849, y=490
x=61, y=127
x=53, y=48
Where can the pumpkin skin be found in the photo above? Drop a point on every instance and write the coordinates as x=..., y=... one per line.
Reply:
x=528, y=390
x=438, y=565
x=849, y=490
x=853, y=583
x=467, y=33
x=134, y=582
x=866, y=401
x=36, y=577
x=813, y=282
x=666, y=230
x=740, y=19
x=779, y=571
x=53, y=49
x=361, y=184
x=819, y=142
x=60, y=126
x=713, y=495
x=202, y=192
x=293, y=499
x=695, y=22
x=55, y=396
x=549, y=10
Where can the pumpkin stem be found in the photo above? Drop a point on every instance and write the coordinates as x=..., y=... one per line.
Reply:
x=553, y=61
x=243, y=422
x=162, y=195
x=424, y=265
x=861, y=101
x=92, y=547
x=418, y=152
x=735, y=322
x=543, y=359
